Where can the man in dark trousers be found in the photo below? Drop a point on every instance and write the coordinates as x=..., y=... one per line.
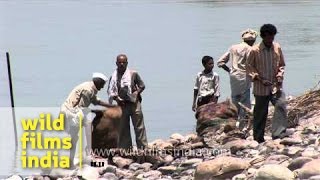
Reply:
x=266, y=65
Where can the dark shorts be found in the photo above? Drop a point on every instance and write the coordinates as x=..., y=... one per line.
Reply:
x=205, y=100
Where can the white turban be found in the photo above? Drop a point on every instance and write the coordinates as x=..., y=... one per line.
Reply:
x=99, y=75
x=249, y=35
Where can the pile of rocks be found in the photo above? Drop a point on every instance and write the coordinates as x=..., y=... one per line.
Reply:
x=225, y=153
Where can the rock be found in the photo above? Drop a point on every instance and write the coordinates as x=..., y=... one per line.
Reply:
x=220, y=168
x=152, y=174
x=309, y=169
x=190, y=162
x=309, y=129
x=122, y=162
x=178, y=137
x=107, y=169
x=185, y=178
x=239, y=144
x=58, y=172
x=168, y=159
x=161, y=144
x=15, y=177
x=277, y=159
x=252, y=171
x=191, y=137
x=298, y=162
x=146, y=166
x=167, y=169
x=110, y=176
x=293, y=151
x=317, y=142
x=197, y=145
x=273, y=145
x=174, y=142
x=312, y=138
x=290, y=141
x=310, y=152
x=123, y=173
x=254, y=152
x=105, y=128
x=239, y=177
x=138, y=172
x=90, y=173
x=212, y=116
x=188, y=172
x=135, y=166
x=274, y=171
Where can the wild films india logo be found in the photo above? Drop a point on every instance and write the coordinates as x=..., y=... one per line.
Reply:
x=35, y=138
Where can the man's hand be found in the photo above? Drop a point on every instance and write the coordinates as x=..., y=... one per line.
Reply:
x=266, y=82
x=194, y=107
x=119, y=100
x=135, y=95
x=279, y=79
x=226, y=68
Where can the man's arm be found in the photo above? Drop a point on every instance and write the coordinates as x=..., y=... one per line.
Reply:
x=216, y=88
x=139, y=84
x=222, y=62
x=105, y=104
x=195, y=93
x=251, y=66
x=280, y=70
x=96, y=101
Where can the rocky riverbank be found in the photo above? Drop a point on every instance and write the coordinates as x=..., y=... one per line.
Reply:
x=220, y=151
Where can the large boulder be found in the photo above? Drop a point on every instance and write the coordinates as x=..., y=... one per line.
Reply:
x=274, y=172
x=211, y=116
x=309, y=169
x=106, y=129
x=220, y=168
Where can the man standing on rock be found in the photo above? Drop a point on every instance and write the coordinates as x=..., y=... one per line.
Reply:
x=266, y=65
x=240, y=83
x=125, y=87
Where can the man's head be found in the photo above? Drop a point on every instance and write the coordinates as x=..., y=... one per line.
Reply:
x=249, y=36
x=267, y=33
x=207, y=62
x=122, y=63
x=99, y=80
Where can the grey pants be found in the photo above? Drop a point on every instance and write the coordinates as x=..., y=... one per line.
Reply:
x=244, y=98
x=134, y=111
x=279, y=120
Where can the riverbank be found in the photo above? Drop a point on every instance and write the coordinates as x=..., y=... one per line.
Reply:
x=225, y=153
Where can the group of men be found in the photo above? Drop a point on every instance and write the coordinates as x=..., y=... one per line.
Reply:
x=261, y=64
x=125, y=87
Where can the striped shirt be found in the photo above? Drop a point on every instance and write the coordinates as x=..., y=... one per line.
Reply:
x=265, y=63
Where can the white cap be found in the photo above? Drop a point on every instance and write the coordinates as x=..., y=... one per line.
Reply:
x=249, y=34
x=99, y=75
